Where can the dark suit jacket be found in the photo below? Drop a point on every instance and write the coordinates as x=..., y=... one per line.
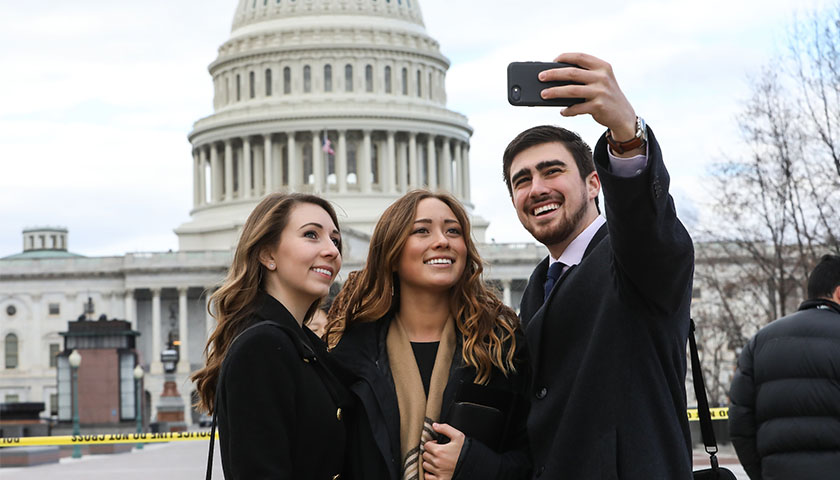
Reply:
x=609, y=346
x=277, y=414
x=375, y=428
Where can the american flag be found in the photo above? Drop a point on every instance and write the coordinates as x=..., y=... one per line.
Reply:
x=327, y=145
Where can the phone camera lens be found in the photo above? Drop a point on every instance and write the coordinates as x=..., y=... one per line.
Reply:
x=516, y=93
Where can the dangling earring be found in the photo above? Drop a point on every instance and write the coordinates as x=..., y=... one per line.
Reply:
x=392, y=289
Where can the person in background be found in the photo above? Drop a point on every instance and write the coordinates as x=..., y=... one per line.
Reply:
x=417, y=332
x=784, y=416
x=279, y=408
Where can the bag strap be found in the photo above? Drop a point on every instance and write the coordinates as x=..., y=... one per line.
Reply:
x=706, y=429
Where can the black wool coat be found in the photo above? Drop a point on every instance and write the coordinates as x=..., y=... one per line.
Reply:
x=608, y=347
x=375, y=436
x=278, y=405
x=784, y=418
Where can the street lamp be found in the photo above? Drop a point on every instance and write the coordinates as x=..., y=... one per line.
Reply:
x=138, y=377
x=75, y=360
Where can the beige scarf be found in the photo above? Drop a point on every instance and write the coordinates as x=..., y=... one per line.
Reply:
x=417, y=413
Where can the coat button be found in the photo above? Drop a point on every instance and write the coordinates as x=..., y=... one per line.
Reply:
x=542, y=393
x=540, y=470
x=338, y=414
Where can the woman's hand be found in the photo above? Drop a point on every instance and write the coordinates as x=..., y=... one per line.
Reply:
x=439, y=460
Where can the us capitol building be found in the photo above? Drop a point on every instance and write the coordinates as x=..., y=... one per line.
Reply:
x=342, y=98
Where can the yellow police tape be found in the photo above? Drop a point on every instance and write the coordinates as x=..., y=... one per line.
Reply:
x=106, y=438
x=716, y=414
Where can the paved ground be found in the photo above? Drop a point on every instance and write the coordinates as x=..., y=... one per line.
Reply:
x=187, y=460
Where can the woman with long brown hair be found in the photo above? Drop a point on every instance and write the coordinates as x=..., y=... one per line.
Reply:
x=277, y=405
x=437, y=362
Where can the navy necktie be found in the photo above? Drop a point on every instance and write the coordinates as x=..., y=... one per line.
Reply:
x=551, y=277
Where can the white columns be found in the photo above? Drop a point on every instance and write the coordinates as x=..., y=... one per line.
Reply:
x=387, y=173
x=465, y=160
x=413, y=170
x=228, y=171
x=259, y=172
x=131, y=309
x=196, y=169
x=506, y=293
x=363, y=163
x=294, y=168
x=431, y=163
x=183, y=348
x=446, y=167
x=156, y=366
x=245, y=178
x=459, y=172
x=402, y=167
x=268, y=170
x=317, y=163
x=215, y=175
x=341, y=162
x=202, y=176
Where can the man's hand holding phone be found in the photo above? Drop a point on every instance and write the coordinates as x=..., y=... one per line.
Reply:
x=596, y=83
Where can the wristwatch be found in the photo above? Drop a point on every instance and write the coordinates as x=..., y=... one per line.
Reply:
x=638, y=140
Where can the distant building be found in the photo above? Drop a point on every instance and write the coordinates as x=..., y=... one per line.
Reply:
x=344, y=99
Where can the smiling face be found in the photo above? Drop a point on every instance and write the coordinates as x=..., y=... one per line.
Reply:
x=306, y=259
x=435, y=254
x=552, y=202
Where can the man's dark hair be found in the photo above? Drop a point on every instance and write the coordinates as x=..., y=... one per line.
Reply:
x=824, y=278
x=549, y=134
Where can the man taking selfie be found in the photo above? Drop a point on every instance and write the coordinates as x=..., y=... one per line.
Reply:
x=606, y=314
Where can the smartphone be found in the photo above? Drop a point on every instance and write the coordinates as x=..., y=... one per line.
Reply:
x=524, y=86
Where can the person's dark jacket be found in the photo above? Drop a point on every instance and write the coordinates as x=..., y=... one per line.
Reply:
x=375, y=440
x=278, y=407
x=784, y=419
x=608, y=347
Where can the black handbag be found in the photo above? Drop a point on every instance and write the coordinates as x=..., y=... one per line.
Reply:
x=708, y=434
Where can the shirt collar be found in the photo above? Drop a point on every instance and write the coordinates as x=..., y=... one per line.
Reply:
x=574, y=252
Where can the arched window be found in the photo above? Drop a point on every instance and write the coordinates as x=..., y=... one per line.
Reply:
x=419, y=90
x=267, y=82
x=388, y=79
x=11, y=350
x=307, y=79
x=252, y=91
x=348, y=78
x=328, y=78
x=405, y=81
x=287, y=80
x=368, y=78
x=238, y=88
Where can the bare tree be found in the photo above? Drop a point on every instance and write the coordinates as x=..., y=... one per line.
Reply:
x=776, y=208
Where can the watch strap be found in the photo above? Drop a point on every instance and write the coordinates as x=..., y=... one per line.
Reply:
x=638, y=140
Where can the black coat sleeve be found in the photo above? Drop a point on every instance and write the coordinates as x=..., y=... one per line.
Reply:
x=259, y=393
x=653, y=252
x=742, y=423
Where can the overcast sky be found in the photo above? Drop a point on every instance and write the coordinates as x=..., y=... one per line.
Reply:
x=97, y=97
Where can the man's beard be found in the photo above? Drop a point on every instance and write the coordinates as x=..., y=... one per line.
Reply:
x=562, y=229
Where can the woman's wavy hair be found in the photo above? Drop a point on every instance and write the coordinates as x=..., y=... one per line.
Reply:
x=486, y=324
x=233, y=303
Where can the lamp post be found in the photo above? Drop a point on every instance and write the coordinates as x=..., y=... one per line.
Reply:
x=138, y=377
x=75, y=360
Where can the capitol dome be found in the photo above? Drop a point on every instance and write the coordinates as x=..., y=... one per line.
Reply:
x=342, y=98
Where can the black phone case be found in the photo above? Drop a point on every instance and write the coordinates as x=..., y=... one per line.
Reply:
x=524, y=87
